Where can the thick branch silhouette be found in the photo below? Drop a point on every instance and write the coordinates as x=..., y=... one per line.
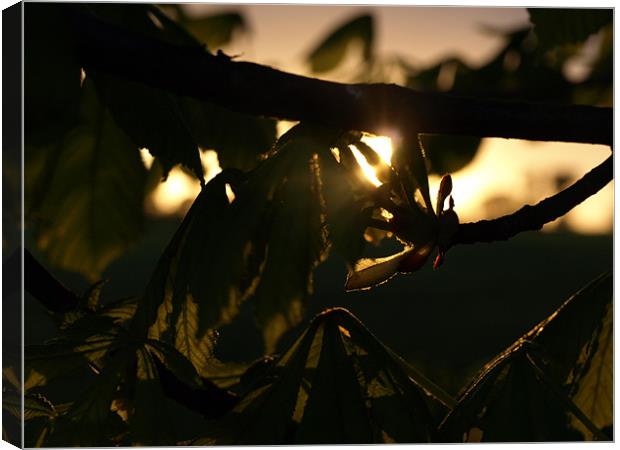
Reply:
x=254, y=89
x=530, y=218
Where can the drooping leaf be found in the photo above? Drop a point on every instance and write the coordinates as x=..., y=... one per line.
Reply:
x=39, y=414
x=330, y=52
x=295, y=246
x=238, y=139
x=577, y=348
x=562, y=26
x=540, y=388
x=216, y=30
x=199, y=350
x=155, y=119
x=35, y=405
x=335, y=384
x=83, y=345
x=91, y=210
x=168, y=310
x=213, y=261
x=447, y=154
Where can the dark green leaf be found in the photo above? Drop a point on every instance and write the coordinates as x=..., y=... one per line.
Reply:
x=295, y=245
x=447, y=154
x=330, y=52
x=553, y=384
x=91, y=209
x=155, y=119
x=84, y=344
x=569, y=337
x=562, y=26
x=35, y=405
x=239, y=139
x=335, y=384
x=216, y=30
x=593, y=392
x=168, y=310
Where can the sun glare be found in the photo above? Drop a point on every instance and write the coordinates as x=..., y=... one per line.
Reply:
x=174, y=195
x=169, y=196
x=503, y=176
x=147, y=158
x=367, y=169
x=382, y=145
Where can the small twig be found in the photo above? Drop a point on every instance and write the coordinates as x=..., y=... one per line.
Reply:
x=530, y=218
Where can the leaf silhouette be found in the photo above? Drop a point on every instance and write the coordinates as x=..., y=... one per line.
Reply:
x=91, y=211
x=330, y=52
x=295, y=245
x=540, y=388
x=555, y=26
x=335, y=384
x=217, y=128
x=216, y=30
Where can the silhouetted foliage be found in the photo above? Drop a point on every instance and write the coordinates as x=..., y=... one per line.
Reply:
x=144, y=370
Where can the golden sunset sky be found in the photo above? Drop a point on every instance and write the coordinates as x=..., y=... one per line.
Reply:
x=504, y=175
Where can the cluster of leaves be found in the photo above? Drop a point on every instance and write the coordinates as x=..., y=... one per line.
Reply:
x=143, y=370
x=85, y=182
x=530, y=66
x=336, y=383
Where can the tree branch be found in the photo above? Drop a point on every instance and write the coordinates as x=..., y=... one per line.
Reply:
x=260, y=90
x=530, y=218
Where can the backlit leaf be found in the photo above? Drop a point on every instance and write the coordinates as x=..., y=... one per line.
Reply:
x=295, y=245
x=553, y=384
x=91, y=211
x=335, y=384
x=330, y=52
x=216, y=30
x=238, y=139
x=155, y=119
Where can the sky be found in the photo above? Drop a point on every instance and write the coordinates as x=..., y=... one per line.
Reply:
x=504, y=174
